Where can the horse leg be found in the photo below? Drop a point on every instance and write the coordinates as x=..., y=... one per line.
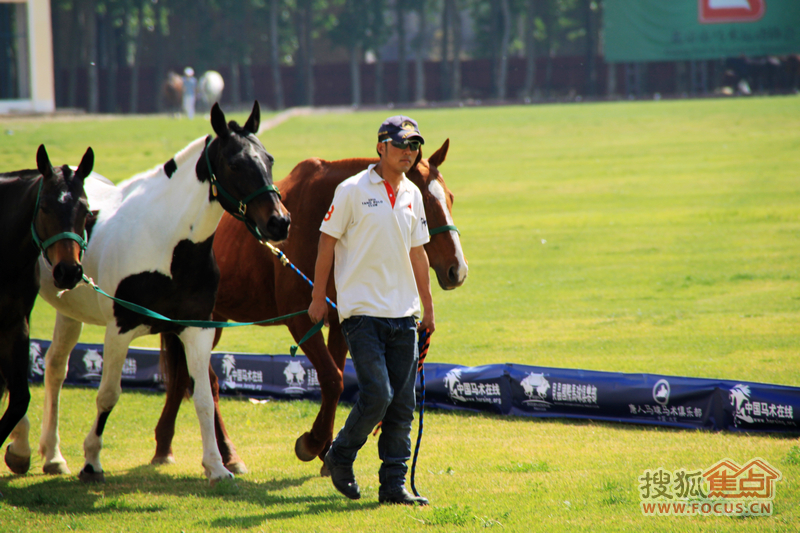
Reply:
x=197, y=345
x=14, y=363
x=115, y=349
x=173, y=364
x=316, y=442
x=178, y=383
x=231, y=459
x=65, y=336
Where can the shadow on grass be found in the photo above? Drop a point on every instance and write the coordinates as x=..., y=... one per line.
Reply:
x=66, y=494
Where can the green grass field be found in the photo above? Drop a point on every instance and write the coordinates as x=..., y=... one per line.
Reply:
x=657, y=237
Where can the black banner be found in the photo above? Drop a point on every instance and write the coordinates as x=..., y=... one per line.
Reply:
x=504, y=389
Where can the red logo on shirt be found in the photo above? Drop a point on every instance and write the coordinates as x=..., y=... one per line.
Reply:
x=328, y=216
x=409, y=206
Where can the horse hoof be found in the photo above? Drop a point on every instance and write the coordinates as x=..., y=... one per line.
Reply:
x=223, y=482
x=163, y=460
x=88, y=475
x=236, y=467
x=56, y=469
x=300, y=449
x=16, y=463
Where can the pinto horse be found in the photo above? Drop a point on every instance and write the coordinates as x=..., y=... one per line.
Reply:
x=254, y=285
x=42, y=212
x=153, y=248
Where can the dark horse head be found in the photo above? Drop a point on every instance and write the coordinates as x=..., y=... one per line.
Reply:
x=58, y=225
x=240, y=170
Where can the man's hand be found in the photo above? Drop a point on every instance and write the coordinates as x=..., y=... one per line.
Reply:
x=318, y=310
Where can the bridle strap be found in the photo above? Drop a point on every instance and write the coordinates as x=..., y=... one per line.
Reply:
x=216, y=187
x=442, y=229
x=44, y=245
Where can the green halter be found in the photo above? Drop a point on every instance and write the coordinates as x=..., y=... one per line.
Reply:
x=240, y=215
x=44, y=245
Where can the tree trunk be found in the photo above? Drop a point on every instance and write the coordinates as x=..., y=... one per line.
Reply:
x=277, y=82
x=419, y=62
x=305, y=53
x=236, y=84
x=90, y=40
x=402, y=57
x=355, y=76
x=74, y=57
x=530, y=49
x=247, y=79
x=501, y=85
x=591, y=55
x=455, y=71
x=134, y=101
x=379, y=81
x=444, y=74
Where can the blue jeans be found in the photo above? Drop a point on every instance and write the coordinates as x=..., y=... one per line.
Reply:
x=384, y=354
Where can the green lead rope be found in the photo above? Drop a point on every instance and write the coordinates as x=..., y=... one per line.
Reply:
x=202, y=323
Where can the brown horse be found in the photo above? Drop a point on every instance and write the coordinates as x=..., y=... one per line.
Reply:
x=254, y=286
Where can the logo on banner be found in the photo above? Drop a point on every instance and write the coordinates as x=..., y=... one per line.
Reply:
x=295, y=376
x=749, y=411
x=535, y=387
x=724, y=489
x=661, y=392
x=37, y=359
x=719, y=11
x=460, y=390
x=93, y=362
x=239, y=378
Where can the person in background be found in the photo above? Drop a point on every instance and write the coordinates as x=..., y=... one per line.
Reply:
x=374, y=231
x=189, y=91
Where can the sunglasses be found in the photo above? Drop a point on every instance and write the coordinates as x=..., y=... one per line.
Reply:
x=412, y=145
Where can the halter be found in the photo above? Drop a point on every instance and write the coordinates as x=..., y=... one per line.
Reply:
x=44, y=245
x=442, y=229
x=240, y=215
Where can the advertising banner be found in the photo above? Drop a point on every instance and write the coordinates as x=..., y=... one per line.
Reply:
x=502, y=389
x=676, y=30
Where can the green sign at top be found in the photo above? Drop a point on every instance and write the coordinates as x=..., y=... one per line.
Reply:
x=675, y=30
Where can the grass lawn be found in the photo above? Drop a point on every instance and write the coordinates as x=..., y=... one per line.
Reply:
x=657, y=237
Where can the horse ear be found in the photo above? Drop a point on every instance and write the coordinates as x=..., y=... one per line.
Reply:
x=43, y=162
x=218, y=121
x=254, y=121
x=439, y=156
x=87, y=164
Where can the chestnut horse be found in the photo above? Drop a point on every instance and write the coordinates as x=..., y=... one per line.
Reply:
x=254, y=285
x=42, y=212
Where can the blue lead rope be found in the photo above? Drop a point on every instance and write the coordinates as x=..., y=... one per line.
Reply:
x=424, y=344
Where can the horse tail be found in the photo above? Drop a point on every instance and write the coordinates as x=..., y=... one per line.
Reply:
x=174, y=371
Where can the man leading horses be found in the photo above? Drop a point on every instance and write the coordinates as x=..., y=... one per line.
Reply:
x=376, y=229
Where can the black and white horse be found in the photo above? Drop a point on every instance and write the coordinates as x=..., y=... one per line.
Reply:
x=42, y=212
x=151, y=246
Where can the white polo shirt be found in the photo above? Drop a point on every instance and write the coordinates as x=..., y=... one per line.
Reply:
x=372, y=268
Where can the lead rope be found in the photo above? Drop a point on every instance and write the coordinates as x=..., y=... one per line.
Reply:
x=424, y=344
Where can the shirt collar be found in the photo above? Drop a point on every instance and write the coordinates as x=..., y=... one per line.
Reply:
x=376, y=179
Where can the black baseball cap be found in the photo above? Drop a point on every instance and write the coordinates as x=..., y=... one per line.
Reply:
x=400, y=128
